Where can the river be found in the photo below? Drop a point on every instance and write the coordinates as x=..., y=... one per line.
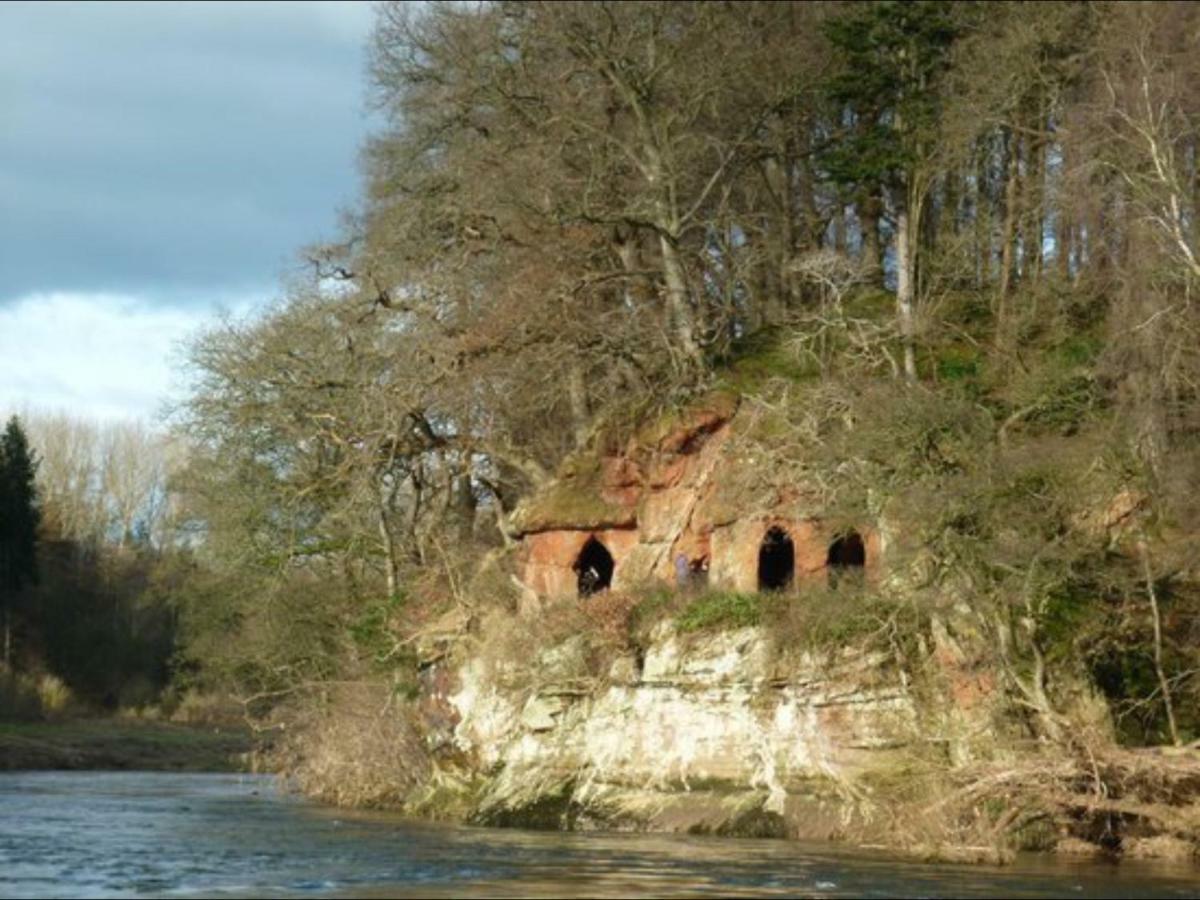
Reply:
x=129, y=834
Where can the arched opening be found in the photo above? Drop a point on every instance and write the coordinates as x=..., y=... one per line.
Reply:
x=593, y=568
x=776, y=560
x=846, y=555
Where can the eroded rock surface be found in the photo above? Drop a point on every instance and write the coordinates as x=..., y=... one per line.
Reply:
x=707, y=736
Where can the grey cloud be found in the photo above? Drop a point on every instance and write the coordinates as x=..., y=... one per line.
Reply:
x=173, y=149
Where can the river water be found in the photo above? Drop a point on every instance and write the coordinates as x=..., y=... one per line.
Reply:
x=117, y=834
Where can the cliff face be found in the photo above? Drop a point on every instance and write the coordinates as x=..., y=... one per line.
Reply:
x=705, y=733
x=722, y=731
x=896, y=726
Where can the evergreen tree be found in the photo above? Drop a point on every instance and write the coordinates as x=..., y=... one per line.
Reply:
x=19, y=518
x=892, y=57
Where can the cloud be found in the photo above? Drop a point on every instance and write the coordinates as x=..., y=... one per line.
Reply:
x=167, y=150
x=102, y=356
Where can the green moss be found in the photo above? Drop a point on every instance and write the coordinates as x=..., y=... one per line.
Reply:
x=449, y=800
x=873, y=303
x=1067, y=615
x=759, y=358
x=573, y=500
x=371, y=631
x=721, y=402
x=1079, y=350
x=722, y=787
x=720, y=610
x=755, y=823
x=958, y=363
x=549, y=812
x=970, y=311
x=742, y=812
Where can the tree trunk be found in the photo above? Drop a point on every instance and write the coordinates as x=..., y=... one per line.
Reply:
x=839, y=228
x=1047, y=718
x=679, y=303
x=1035, y=206
x=577, y=394
x=1009, y=234
x=1163, y=684
x=868, y=223
x=1098, y=225
x=948, y=224
x=462, y=499
x=1041, y=160
x=1195, y=235
x=391, y=564
x=781, y=240
x=904, y=290
x=983, y=218
x=1064, y=243
x=815, y=225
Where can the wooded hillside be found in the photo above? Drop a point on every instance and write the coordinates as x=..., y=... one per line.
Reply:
x=952, y=246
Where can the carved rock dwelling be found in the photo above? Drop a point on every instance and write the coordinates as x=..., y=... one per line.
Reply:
x=670, y=506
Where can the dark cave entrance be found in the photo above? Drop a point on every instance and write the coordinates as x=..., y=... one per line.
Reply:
x=776, y=560
x=594, y=568
x=847, y=556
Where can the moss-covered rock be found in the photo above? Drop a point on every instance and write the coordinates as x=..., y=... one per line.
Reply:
x=575, y=499
x=552, y=811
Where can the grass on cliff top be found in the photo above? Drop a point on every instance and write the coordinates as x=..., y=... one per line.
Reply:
x=758, y=358
x=723, y=610
x=815, y=616
x=572, y=499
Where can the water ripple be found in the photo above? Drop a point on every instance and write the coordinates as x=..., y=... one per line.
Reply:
x=73, y=834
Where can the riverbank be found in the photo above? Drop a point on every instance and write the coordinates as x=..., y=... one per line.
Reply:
x=741, y=732
x=124, y=744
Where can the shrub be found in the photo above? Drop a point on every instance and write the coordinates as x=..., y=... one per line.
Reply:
x=609, y=616
x=357, y=745
x=820, y=619
x=19, y=700
x=204, y=708
x=54, y=696
x=655, y=604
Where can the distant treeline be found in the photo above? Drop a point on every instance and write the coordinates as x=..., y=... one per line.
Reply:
x=94, y=607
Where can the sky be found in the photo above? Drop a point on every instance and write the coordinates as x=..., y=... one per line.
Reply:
x=160, y=163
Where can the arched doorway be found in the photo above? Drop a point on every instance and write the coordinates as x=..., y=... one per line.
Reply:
x=847, y=555
x=593, y=568
x=776, y=560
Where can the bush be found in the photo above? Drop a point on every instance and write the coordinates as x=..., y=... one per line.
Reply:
x=654, y=605
x=19, y=700
x=609, y=616
x=357, y=746
x=204, y=708
x=54, y=696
